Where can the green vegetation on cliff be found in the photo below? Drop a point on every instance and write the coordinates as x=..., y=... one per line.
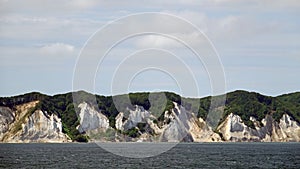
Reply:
x=247, y=104
x=242, y=103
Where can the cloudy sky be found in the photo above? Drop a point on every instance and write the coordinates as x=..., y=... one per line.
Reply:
x=258, y=43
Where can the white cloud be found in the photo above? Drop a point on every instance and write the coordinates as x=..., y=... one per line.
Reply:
x=28, y=28
x=58, y=7
x=156, y=42
x=228, y=26
x=275, y=4
x=57, y=49
x=237, y=27
x=46, y=7
x=19, y=19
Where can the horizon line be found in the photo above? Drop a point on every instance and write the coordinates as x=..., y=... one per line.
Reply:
x=81, y=90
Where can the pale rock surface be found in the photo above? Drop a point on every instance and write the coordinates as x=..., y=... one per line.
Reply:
x=129, y=120
x=138, y=115
x=185, y=126
x=178, y=128
x=6, y=118
x=20, y=125
x=135, y=116
x=287, y=130
x=35, y=127
x=233, y=129
x=179, y=125
x=91, y=119
x=40, y=127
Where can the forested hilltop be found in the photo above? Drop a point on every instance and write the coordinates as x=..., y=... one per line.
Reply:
x=242, y=103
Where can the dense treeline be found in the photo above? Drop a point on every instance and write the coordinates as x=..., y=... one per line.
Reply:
x=245, y=104
x=290, y=103
x=20, y=99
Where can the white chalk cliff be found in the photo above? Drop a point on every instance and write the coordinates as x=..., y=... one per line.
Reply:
x=178, y=125
x=91, y=119
x=20, y=126
x=233, y=129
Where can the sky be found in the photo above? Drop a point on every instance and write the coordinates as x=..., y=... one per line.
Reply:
x=257, y=43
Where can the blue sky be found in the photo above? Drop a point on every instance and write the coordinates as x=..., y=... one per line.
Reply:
x=258, y=42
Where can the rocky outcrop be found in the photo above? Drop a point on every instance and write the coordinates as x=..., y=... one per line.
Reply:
x=6, y=118
x=182, y=125
x=125, y=121
x=202, y=132
x=286, y=130
x=135, y=118
x=178, y=125
x=39, y=127
x=185, y=126
x=26, y=123
x=27, y=126
x=91, y=119
x=233, y=129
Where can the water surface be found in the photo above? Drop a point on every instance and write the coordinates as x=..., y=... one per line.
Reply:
x=183, y=155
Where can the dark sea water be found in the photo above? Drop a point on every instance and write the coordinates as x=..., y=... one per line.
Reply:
x=184, y=155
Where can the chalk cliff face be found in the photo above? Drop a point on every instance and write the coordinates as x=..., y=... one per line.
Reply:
x=179, y=125
x=91, y=119
x=130, y=120
x=30, y=122
x=287, y=130
x=233, y=129
x=6, y=118
x=39, y=127
x=185, y=126
x=22, y=126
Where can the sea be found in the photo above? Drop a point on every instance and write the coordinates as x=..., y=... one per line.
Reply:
x=183, y=155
